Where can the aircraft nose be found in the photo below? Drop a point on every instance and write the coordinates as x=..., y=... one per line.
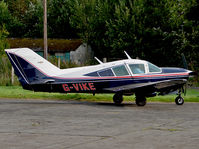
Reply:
x=191, y=73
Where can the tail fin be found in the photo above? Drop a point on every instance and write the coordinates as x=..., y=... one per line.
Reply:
x=30, y=67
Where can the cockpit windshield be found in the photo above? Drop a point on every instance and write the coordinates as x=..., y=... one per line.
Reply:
x=153, y=68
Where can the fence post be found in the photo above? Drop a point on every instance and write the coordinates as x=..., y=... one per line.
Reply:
x=12, y=76
x=59, y=62
x=104, y=59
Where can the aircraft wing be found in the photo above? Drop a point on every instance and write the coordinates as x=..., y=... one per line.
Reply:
x=170, y=83
x=158, y=85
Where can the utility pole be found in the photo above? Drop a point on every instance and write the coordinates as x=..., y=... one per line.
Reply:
x=45, y=30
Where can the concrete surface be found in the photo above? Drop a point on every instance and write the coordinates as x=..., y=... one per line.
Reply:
x=35, y=124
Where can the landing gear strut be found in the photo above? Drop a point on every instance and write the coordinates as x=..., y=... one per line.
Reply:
x=140, y=100
x=118, y=98
x=179, y=99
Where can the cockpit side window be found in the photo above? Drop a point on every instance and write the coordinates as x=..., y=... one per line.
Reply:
x=106, y=73
x=153, y=68
x=137, y=68
x=120, y=71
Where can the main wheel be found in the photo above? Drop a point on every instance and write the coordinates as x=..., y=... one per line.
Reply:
x=179, y=100
x=118, y=98
x=140, y=100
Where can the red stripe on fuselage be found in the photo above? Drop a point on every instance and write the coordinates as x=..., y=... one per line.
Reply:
x=164, y=75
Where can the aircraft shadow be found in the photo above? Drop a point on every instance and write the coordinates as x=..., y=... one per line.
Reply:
x=61, y=102
x=114, y=105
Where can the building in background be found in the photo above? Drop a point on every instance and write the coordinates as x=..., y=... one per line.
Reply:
x=73, y=51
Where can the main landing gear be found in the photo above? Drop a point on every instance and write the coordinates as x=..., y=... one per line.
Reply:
x=140, y=99
x=118, y=98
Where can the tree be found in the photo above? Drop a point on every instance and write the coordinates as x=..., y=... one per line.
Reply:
x=59, y=12
x=138, y=28
x=26, y=18
x=33, y=20
x=4, y=14
x=3, y=43
x=158, y=31
x=123, y=30
x=190, y=36
x=89, y=18
x=4, y=18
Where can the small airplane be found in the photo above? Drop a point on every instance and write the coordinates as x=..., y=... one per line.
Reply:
x=122, y=77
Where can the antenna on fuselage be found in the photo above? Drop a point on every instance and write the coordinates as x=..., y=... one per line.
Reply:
x=98, y=60
x=127, y=55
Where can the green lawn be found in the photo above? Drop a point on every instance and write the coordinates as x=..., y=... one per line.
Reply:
x=19, y=93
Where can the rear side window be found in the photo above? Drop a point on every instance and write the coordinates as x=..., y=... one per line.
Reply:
x=92, y=74
x=120, y=71
x=153, y=68
x=137, y=68
x=106, y=73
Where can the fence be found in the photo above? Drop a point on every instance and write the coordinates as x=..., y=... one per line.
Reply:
x=6, y=73
x=7, y=77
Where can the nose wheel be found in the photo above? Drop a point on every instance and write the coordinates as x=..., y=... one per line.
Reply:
x=179, y=100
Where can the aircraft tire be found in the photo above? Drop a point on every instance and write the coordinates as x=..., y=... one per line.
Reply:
x=140, y=100
x=118, y=98
x=179, y=100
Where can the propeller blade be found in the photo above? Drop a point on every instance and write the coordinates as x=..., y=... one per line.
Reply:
x=184, y=61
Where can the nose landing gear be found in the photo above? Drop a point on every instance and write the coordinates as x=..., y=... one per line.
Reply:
x=140, y=99
x=179, y=99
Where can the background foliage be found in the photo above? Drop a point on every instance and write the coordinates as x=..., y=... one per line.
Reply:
x=158, y=31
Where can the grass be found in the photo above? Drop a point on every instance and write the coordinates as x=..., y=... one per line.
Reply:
x=191, y=96
x=19, y=93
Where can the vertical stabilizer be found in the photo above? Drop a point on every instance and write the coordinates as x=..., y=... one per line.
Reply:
x=30, y=67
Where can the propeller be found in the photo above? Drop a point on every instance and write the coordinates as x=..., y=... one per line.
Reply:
x=184, y=61
x=184, y=88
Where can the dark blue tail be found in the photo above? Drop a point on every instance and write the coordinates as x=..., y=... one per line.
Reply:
x=26, y=72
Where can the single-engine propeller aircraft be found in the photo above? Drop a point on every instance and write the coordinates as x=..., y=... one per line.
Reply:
x=122, y=77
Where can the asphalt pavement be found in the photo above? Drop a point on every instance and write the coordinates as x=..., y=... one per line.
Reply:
x=49, y=124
